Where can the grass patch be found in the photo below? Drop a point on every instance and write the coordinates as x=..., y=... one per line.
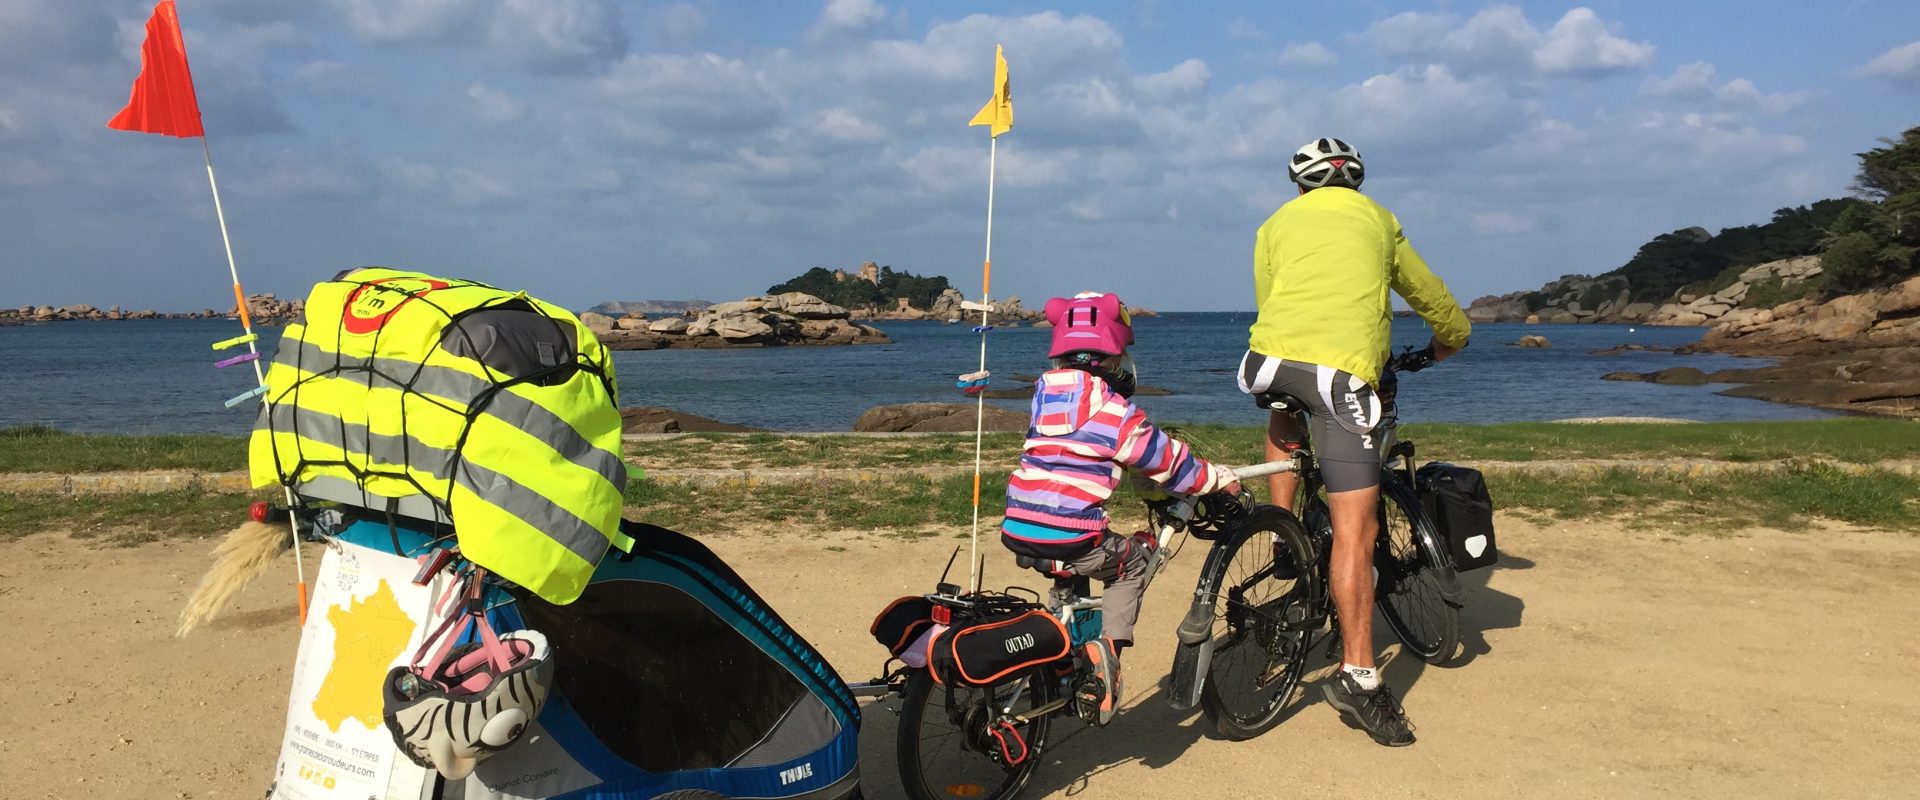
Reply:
x=123, y=519
x=37, y=448
x=1715, y=503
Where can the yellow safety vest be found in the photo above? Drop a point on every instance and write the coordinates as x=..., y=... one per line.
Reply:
x=366, y=406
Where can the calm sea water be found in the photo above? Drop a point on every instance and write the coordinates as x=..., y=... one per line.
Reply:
x=157, y=376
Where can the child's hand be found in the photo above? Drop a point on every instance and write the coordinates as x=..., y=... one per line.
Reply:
x=1232, y=489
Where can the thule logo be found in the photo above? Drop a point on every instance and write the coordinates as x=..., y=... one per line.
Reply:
x=1019, y=643
x=801, y=772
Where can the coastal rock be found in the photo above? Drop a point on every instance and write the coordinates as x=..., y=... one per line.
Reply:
x=648, y=419
x=631, y=324
x=1533, y=340
x=1901, y=299
x=1634, y=312
x=1623, y=376
x=1043, y=324
x=946, y=305
x=670, y=325
x=596, y=322
x=1630, y=348
x=700, y=327
x=1678, y=376
x=1560, y=317
x=936, y=418
x=741, y=327
x=805, y=306
x=751, y=304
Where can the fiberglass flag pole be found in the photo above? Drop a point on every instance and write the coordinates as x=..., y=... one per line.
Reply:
x=163, y=102
x=998, y=114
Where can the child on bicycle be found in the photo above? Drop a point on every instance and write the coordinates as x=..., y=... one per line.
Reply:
x=1084, y=433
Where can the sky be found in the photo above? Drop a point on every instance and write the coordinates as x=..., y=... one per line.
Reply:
x=588, y=150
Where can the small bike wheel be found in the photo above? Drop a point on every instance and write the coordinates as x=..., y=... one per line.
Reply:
x=1417, y=586
x=1263, y=575
x=948, y=747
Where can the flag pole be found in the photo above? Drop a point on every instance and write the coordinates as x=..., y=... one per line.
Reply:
x=259, y=375
x=980, y=409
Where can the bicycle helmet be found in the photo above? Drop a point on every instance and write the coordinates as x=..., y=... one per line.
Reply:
x=1327, y=162
x=1091, y=331
x=450, y=712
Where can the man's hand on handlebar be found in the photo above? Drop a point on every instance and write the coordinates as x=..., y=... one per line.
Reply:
x=1441, y=352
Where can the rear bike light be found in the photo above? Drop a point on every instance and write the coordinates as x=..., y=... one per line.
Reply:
x=942, y=615
x=258, y=511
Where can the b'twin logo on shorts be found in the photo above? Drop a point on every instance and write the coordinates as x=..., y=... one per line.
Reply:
x=1019, y=643
x=799, y=773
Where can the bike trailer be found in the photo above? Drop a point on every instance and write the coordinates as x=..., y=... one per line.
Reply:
x=1456, y=499
x=672, y=678
x=987, y=651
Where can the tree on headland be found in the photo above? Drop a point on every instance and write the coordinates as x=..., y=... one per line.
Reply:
x=849, y=291
x=1877, y=245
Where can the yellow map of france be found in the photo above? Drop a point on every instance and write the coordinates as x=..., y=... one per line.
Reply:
x=367, y=636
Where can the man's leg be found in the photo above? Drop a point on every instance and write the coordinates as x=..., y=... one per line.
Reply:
x=1282, y=486
x=1356, y=525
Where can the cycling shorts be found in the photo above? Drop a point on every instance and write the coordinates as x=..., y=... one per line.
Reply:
x=1350, y=427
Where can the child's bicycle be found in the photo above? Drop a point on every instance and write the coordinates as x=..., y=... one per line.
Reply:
x=1263, y=594
x=982, y=739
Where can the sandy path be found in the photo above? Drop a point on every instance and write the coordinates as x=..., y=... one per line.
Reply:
x=1606, y=663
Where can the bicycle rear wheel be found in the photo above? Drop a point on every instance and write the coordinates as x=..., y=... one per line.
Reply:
x=947, y=749
x=1417, y=589
x=1261, y=635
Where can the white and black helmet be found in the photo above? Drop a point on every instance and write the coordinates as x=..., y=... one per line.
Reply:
x=1327, y=162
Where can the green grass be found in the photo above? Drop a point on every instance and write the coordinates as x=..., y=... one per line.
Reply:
x=1784, y=500
x=42, y=449
x=123, y=519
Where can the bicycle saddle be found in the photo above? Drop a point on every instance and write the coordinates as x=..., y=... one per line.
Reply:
x=1279, y=401
x=1045, y=566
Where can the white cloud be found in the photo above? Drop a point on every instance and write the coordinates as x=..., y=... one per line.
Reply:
x=1580, y=44
x=1501, y=223
x=846, y=126
x=847, y=17
x=1244, y=29
x=679, y=21
x=1188, y=77
x=1698, y=83
x=1307, y=54
x=543, y=34
x=1900, y=64
x=492, y=106
x=1500, y=39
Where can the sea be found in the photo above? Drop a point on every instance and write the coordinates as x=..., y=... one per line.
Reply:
x=157, y=376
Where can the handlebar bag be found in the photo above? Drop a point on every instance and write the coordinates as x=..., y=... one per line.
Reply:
x=985, y=652
x=1456, y=500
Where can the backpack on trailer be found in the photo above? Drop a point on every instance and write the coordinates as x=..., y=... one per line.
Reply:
x=455, y=402
x=901, y=623
x=1456, y=500
x=988, y=650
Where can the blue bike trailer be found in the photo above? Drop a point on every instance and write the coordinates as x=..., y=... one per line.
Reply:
x=671, y=674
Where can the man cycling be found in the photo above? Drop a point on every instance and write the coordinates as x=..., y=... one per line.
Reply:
x=1322, y=267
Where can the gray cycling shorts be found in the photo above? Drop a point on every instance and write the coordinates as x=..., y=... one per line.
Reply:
x=1350, y=426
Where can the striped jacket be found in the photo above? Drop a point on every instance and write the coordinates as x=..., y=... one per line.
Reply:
x=1082, y=437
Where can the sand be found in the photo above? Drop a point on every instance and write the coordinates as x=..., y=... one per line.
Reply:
x=1603, y=662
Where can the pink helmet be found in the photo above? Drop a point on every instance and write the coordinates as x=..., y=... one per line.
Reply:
x=1089, y=321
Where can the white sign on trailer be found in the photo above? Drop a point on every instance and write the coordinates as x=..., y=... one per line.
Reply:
x=366, y=617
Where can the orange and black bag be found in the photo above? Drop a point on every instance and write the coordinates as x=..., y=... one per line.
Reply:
x=989, y=651
x=901, y=622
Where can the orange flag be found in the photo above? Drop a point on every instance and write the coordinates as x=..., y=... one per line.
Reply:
x=162, y=100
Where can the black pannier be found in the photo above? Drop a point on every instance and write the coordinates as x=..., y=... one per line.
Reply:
x=901, y=622
x=1456, y=499
x=988, y=651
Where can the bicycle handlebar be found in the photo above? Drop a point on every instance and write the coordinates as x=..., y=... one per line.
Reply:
x=1264, y=469
x=1412, y=360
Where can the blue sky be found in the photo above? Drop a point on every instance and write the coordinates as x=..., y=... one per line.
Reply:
x=590, y=149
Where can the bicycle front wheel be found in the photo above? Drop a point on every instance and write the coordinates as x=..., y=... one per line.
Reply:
x=952, y=746
x=1418, y=588
x=1263, y=575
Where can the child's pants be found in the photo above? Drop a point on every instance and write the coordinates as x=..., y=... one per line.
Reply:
x=1119, y=562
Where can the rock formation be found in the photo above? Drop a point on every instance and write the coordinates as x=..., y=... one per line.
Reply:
x=793, y=318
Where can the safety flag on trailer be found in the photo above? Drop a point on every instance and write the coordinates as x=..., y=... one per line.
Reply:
x=998, y=112
x=162, y=100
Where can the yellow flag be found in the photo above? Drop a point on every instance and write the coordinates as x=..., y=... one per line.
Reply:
x=998, y=112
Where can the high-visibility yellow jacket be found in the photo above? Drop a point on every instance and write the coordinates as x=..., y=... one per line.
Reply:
x=1322, y=267
x=392, y=393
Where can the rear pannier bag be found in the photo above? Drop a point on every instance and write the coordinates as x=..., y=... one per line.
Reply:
x=987, y=652
x=901, y=622
x=1456, y=499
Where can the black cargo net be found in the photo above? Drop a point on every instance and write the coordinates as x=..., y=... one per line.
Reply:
x=406, y=375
